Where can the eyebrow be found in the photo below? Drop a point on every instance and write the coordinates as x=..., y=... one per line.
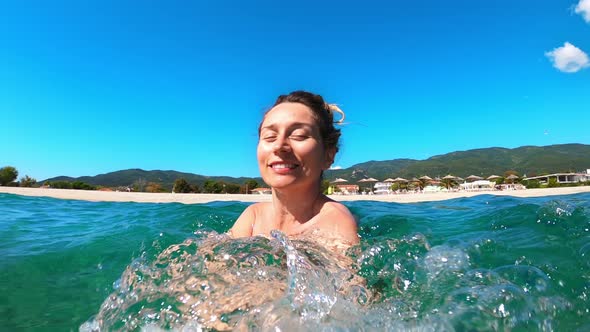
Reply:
x=272, y=126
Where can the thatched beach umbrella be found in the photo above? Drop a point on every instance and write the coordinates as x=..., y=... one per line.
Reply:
x=512, y=177
x=339, y=180
x=368, y=180
x=472, y=178
x=399, y=181
x=389, y=181
x=416, y=182
x=494, y=177
x=424, y=180
x=448, y=180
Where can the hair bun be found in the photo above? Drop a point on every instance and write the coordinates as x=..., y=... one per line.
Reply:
x=333, y=108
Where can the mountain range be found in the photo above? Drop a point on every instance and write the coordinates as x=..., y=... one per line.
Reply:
x=525, y=160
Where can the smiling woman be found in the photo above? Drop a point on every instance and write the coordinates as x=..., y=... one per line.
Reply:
x=297, y=142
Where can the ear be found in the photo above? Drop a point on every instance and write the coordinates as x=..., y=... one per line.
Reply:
x=330, y=154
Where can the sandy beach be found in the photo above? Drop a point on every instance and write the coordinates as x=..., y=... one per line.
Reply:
x=106, y=196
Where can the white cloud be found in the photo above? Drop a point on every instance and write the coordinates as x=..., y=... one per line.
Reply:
x=583, y=8
x=336, y=167
x=568, y=58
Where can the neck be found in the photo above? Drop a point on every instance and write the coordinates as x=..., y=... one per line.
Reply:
x=294, y=208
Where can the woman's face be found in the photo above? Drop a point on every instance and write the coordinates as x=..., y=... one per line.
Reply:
x=290, y=149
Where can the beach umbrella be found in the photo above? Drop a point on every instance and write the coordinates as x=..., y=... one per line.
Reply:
x=339, y=180
x=372, y=180
x=389, y=180
x=368, y=180
x=424, y=180
x=399, y=181
x=493, y=177
x=448, y=180
x=472, y=178
x=458, y=178
x=512, y=177
x=415, y=182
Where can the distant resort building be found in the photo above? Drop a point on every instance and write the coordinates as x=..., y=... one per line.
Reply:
x=479, y=185
x=453, y=184
x=348, y=189
x=382, y=188
x=562, y=178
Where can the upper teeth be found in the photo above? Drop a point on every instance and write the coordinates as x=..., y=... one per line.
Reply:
x=283, y=166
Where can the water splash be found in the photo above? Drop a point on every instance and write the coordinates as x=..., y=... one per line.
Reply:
x=473, y=268
x=307, y=289
x=220, y=283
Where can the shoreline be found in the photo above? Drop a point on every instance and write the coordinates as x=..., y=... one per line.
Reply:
x=112, y=196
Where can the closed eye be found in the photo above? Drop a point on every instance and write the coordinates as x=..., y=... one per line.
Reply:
x=299, y=137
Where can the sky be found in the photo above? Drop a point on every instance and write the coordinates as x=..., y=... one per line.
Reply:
x=91, y=87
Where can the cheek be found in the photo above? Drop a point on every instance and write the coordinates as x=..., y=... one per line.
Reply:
x=316, y=153
x=261, y=152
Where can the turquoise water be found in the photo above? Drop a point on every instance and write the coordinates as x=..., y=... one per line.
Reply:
x=481, y=263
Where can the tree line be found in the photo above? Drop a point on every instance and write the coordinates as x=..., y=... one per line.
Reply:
x=181, y=185
x=8, y=175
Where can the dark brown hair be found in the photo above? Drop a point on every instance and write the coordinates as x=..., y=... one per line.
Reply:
x=323, y=113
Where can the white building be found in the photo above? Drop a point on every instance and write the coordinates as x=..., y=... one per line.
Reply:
x=479, y=185
x=562, y=177
x=382, y=188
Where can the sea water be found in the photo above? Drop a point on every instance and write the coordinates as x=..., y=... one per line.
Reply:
x=480, y=263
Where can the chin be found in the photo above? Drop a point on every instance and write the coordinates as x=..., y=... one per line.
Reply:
x=279, y=183
x=290, y=184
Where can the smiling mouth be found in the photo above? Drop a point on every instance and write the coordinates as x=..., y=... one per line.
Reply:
x=283, y=166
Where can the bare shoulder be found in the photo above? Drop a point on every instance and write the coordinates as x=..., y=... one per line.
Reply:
x=331, y=206
x=338, y=219
x=334, y=208
x=245, y=222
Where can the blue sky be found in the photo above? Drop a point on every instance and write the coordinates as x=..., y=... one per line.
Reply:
x=89, y=87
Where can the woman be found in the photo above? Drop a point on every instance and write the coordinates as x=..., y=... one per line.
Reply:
x=297, y=142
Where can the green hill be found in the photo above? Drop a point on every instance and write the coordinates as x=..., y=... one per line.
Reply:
x=525, y=160
x=529, y=160
x=127, y=177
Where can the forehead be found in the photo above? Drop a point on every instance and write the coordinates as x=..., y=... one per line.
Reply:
x=287, y=113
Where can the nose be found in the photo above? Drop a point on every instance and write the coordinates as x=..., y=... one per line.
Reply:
x=281, y=144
